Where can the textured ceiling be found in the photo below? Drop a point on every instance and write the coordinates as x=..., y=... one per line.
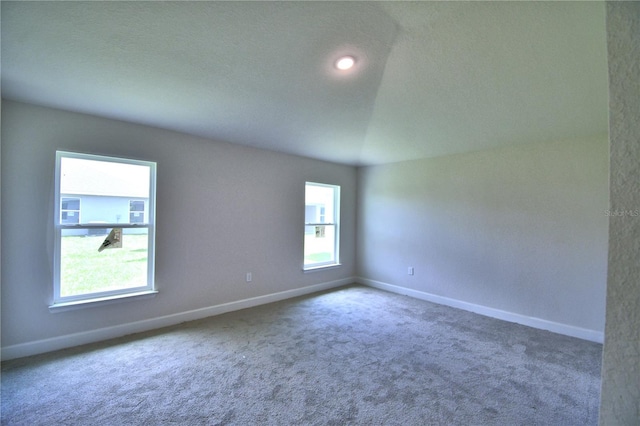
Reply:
x=431, y=78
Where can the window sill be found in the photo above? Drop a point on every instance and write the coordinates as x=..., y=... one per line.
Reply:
x=321, y=267
x=100, y=301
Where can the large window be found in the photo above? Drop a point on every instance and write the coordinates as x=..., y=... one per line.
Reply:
x=98, y=256
x=321, y=229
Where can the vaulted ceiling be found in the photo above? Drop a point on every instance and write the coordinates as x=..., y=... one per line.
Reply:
x=430, y=78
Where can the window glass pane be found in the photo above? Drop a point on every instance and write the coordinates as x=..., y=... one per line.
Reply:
x=70, y=204
x=70, y=211
x=94, y=257
x=85, y=270
x=321, y=225
x=136, y=217
x=319, y=244
x=69, y=218
x=319, y=206
x=137, y=206
x=136, y=214
x=104, y=189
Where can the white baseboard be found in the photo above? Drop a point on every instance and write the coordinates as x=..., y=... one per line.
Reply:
x=91, y=336
x=567, y=330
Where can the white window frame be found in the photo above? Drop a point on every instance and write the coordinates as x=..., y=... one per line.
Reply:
x=335, y=224
x=61, y=303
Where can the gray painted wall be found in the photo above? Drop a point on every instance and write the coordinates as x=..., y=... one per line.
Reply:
x=245, y=213
x=620, y=404
x=520, y=229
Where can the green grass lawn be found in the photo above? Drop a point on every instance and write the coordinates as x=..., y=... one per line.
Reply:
x=85, y=270
x=317, y=250
x=318, y=257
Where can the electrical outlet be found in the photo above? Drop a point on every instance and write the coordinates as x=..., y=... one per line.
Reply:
x=410, y=270
x=249, y=277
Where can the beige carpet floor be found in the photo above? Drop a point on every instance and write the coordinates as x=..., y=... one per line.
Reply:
x=353, y=356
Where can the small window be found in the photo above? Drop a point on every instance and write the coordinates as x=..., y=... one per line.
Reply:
x=97, y=256
x=136, y=211
x=321, y=231
x=70, y=210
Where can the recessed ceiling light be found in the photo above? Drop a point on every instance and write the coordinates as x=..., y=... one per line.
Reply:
x=345, y=63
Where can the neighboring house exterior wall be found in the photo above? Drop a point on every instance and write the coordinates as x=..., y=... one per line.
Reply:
x=97, y=209
x=102, y=191
x=314, y=213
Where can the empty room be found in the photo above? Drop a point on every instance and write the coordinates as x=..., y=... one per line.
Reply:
x=318, y=212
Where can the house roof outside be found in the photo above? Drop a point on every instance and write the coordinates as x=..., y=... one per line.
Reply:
x=101, y=178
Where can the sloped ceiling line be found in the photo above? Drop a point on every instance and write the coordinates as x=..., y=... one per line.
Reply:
x=433, y=78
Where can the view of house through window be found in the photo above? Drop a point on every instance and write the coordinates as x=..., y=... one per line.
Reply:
x=108, y=204
x=321, y=231
x=70, y=210
x=136, y=211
